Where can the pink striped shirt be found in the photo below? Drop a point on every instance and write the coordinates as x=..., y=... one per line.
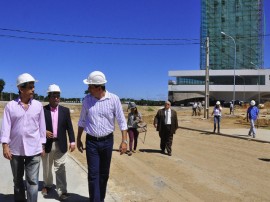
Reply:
x=24, y=130
x=54, y=114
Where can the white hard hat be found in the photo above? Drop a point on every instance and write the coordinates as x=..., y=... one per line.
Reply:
x=53, y=88
x=132, y=105
x=95, y=78
x=218, y=103
x=25, y=78
x=252, y=102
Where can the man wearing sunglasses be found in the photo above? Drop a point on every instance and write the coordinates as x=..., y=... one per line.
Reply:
x=100, y=108
x=58, y=127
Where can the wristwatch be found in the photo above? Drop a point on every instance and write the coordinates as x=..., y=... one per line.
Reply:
x=125, y=141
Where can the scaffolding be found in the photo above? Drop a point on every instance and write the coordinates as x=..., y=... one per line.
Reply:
x=240, y=19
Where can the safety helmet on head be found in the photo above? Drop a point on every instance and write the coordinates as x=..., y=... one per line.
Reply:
x=218, y=103
x=53, y=88
x=252, y=102
x=25, y=78
x=95, y=78
x=132, y=105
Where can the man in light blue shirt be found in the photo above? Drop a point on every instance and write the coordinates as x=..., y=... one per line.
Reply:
x=252, y=114
x=99, y=111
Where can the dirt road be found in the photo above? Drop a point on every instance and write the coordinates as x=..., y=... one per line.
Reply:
x=203, y=167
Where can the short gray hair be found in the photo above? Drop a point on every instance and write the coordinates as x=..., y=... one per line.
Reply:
x=167, y=102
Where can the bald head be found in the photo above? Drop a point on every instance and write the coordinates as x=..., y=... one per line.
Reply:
x=167, y=104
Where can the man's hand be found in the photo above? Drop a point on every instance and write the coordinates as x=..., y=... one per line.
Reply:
x=43, y=152
x=123, y=148
x=80, y=145
x=71, y=147
x=6, y=151
x=49, y=134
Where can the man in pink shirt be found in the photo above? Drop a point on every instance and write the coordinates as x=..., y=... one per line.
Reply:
x=23, y=135
x=58, y=126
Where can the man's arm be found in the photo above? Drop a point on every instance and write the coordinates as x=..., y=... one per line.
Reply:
x=79, y=142
x=176, y=120
x=123, y=145
x=156, y=120
x=6, y=151
x=70, y=130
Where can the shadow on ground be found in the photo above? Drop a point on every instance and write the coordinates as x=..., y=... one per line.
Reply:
x=7, y=197
x=150, y=150
x=72, y=197
x=264, y=159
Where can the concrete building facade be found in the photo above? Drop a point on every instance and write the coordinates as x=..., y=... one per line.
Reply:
x=236, y=64
x=189, y=85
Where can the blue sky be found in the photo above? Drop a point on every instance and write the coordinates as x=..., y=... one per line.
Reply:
x=132, y=71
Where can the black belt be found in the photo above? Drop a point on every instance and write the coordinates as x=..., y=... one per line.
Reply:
x=55, y=139
x=90, y=137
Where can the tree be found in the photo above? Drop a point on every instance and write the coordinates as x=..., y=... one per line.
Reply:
x=2, y=85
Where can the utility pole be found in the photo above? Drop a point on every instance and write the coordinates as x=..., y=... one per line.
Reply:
x=206, y=104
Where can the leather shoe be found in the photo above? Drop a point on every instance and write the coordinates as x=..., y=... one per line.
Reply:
x=45, y=191
x=64, y=196
x=170, y=154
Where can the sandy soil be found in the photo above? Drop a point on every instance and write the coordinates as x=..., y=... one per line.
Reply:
x=203, y=166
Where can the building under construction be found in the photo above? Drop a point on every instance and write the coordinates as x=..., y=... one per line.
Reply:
x=236, y=61
x=241, y=44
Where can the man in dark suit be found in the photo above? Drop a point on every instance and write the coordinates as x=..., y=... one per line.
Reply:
x=166, y=123
x=58, y=125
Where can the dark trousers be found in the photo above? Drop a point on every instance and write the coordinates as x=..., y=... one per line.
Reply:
x=31, y=166
x=133, y=135
x=166, y=138
x=99, y=155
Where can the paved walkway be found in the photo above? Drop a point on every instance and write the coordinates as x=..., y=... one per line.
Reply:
x=77, y=184
x=263, y=135
x=76, y=180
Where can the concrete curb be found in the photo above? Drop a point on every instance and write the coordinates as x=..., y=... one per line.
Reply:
x=78, y=163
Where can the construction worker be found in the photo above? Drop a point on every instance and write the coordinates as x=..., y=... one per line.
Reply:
x=217, y=116
x=252, y=114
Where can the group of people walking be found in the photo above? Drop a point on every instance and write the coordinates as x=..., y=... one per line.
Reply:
x=251, y=116
x=196, y=108
x=31, y=133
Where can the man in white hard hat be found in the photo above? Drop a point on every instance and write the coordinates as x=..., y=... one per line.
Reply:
x=58, y=126
x=100, y=108
x=252, y=115
x=23, y=135
x=166, y=123
x=217, y=116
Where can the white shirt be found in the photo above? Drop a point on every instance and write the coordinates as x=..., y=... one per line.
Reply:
x=98, y=116
x=168, y=115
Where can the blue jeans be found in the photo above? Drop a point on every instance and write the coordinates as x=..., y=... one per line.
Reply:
x=99, y=155
x=252, y=130
x=31, y=166
x=217, y=122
